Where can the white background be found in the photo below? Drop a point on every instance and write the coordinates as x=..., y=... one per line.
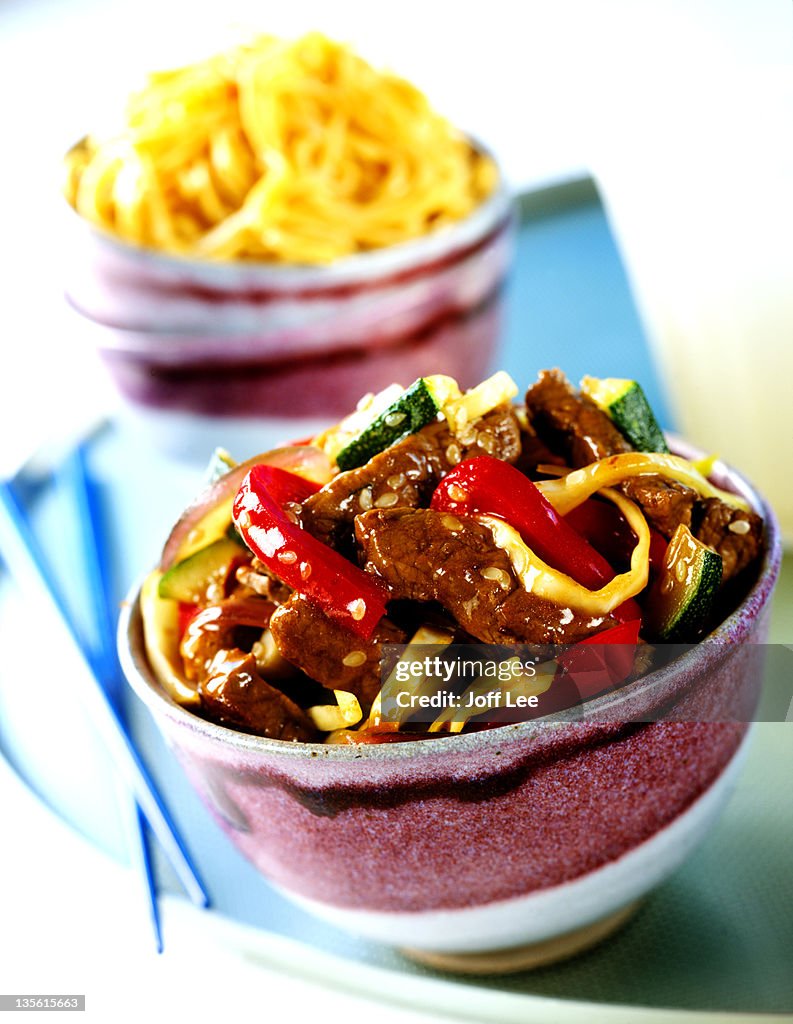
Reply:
x=518, y=75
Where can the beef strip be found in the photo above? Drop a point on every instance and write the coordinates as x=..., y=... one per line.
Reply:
x=233, y=693
x=574, y=426
x=717, y=528
x=330, y=653
x=214, y=628
x=406, y=474
x=425, y=555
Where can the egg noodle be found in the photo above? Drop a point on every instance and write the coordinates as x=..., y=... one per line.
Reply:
x=287, y=151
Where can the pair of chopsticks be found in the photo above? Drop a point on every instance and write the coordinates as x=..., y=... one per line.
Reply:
x=99, y=682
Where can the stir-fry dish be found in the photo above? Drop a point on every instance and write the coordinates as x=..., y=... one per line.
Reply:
x=431, y=516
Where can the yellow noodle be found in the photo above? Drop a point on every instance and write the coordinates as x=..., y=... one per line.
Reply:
x=286, y=151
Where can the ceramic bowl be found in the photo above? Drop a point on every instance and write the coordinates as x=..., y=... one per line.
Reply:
x=530, y=840
x=214, y=353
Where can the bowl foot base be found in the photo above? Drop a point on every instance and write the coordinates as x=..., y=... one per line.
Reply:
x=528, y=957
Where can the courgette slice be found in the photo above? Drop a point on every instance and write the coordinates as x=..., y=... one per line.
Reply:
x=187, y=581
x=681, y=598
x=412, y=410
x=625, y=403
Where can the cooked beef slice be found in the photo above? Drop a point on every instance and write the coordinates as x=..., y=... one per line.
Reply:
x=233, y=693
x=722, y=528
x=569, y=424
x=406, y=474
x=217, y=626
x=425, y=555
x=666, y=504
x=330, y=653
x=574, y=426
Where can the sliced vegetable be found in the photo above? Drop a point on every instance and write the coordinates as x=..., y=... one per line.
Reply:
x=571, y=490
x=344, y=592
x=431, y=641
x=344, y=714
x=411, y=411
x=162, y=632
x=208, y=517
x=494, y=391
x=187, y=581
x=625, y=403
x=332, y=440
x=607, y=530
x=683, y=595
x=539, y=578
x=602, y=660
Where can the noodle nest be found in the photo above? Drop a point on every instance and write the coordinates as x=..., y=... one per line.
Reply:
x=281, y=151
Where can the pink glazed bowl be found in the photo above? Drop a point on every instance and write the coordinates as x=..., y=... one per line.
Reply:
x=497, y=849
x=206, y=353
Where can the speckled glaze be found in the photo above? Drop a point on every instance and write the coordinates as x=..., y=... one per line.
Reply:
x=268, y=341
x=396, y=832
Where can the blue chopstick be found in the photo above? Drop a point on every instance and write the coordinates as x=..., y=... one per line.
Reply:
x=25, y=561
x=74, y=473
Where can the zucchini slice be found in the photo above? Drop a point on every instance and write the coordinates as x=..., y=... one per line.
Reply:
x=625, y=403
x=411, y=411
x=187, y=581
x=682, y=597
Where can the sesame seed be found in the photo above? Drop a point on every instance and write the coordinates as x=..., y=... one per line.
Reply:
x=396, y=481
x=357, y=609
x=354, y=659
x=486, y=441
x=457, y=493
x=365, y=498
x=452, y=523
x=453, y=454
x=681, y=569
x=387, y=500
x=305, y=570
x=287, y=557
x=365, y=401
x=393, y=419
x=500, y=576
x=290, y=515
x=739, y=526
x=244, y=521
x=467, y=435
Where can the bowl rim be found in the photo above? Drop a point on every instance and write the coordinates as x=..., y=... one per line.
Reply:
x=733, y=629
x=497, y=210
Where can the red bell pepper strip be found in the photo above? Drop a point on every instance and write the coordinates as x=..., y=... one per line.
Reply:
x=490, y=486
x=606, y=529
x=343, y=591
x=603, y=660
x=187, y=613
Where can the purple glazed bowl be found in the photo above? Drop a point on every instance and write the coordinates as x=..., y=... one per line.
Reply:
x=495, y=849
x=210, y=353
